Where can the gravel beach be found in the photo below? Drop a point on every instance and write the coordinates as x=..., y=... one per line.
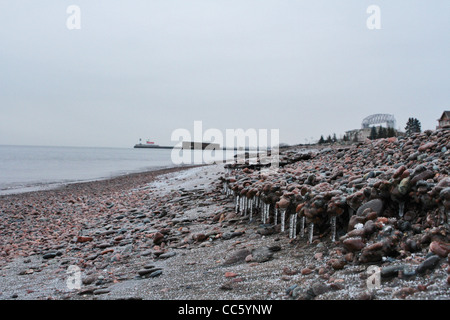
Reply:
x=175, y=234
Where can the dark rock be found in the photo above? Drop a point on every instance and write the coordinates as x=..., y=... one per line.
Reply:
x=89, y=279
x=375, y=205
x=155, y=274
x=237, y=257
x=230, y=235
x=226, y=286
x=49, y=255
x=391, y=271
x=266, y=230
x=428, y=264
x=149, y=271
x=158, y=238
x=275, y=248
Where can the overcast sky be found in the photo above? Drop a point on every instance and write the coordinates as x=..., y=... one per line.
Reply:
x=141, y=69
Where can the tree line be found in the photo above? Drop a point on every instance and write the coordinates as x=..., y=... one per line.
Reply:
x=412, y=126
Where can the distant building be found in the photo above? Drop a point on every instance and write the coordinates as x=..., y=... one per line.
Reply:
x=444, y=120
x=366, y=126
x=200, y=145
x=358, y=134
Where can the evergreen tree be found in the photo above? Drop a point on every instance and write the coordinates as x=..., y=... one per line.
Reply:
x=334, y=138
x=412, y=126
x=329, y=140
x=382, y=132
x=417, y=126
x=373, y=134
x=321, y=140
x=391, y=132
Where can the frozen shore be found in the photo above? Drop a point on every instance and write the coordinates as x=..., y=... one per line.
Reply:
x=171, y=235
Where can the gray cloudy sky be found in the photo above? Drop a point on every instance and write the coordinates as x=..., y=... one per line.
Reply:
x=141, y=69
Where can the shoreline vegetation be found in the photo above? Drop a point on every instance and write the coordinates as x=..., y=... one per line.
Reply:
x=215, y=232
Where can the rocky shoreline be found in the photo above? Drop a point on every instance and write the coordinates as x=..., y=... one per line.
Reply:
x=311, y=230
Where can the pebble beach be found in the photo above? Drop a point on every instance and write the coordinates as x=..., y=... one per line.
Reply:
x=307, y=231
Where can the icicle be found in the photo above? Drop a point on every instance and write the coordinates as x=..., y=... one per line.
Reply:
x=302, y=227
x=293, y=226
x=237, y=204
x=311, y=232
x=291, y=223
x=266, y=212
x=266, y=217
x=263, y=213
x=251, y=210
x=333, y=228
x=401, y=209
x=275, y=218
x=283, y=212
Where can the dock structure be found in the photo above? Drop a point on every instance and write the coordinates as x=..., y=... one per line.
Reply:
x=191, y=145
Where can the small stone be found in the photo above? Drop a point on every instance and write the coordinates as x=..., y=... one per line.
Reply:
x=266, y=230
x=230, y=274
x=440, y=249
x=337, y=264
x=365, y=296
x=403, y=292
x=144, y=272
x=89, y=280
x=100, y=291
x=199, y=237
x=354, y=244
x=289, y=272
x=230, y=235
x=275, y=248
x=82, y=239
x=226, y=286
x=155, y=274
x=158, y=238
x=349, y=257
x=167, y=255
x=49, y=255
x=422, y=287
x=318, y=256
x=306, y=271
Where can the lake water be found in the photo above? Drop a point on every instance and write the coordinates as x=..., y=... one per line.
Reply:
x=28, y=168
